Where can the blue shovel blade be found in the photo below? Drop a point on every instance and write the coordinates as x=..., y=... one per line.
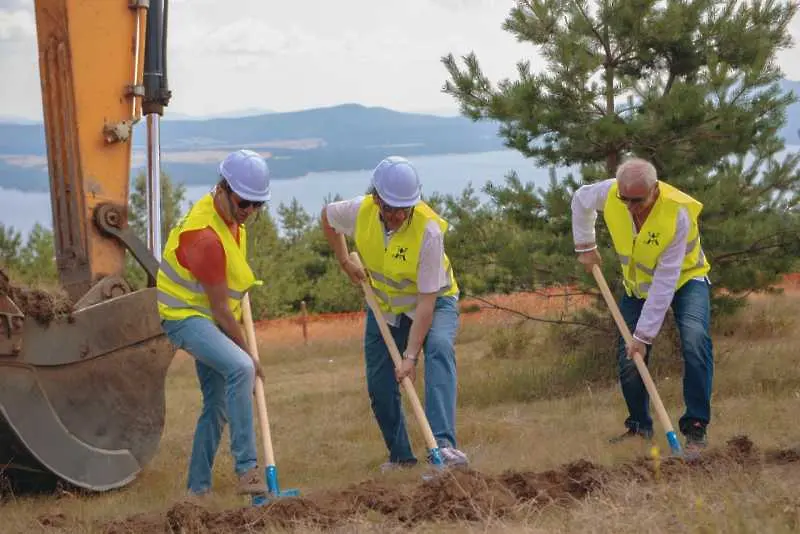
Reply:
x=273, y=490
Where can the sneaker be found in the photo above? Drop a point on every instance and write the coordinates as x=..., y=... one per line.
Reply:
x=394, y=466
x=631, y=433
x=695, y=440
x=452, y=456
x=251, y=482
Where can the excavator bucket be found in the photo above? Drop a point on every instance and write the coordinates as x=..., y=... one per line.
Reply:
x=81, y=391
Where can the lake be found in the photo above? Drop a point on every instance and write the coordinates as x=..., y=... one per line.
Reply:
x=447, y=174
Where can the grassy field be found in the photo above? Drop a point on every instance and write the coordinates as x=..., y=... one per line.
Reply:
x=534, y=417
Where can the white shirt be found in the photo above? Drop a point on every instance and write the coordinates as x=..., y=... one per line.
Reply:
x=431, y=274
x=587, y=201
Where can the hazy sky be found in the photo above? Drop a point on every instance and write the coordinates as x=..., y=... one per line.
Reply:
x=292, y=54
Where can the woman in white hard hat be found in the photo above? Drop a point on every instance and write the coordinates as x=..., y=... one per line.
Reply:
x=203, y=277
x=401, y=242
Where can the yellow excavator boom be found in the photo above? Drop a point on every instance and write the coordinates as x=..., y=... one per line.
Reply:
x=82, y=395
x=91, y=62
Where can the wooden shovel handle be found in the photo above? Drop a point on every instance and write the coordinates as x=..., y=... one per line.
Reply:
x=637, y=358
x=419, y=412
x=261, y=401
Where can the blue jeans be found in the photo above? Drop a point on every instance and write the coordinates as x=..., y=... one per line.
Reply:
x=692, y=309
x=226, y=375
x=440, y=379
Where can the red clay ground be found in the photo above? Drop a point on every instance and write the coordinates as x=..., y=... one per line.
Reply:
x=336, y=327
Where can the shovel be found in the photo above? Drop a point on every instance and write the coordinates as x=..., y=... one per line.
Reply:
x=672, y=439
x=271, y=473
x=408, y=386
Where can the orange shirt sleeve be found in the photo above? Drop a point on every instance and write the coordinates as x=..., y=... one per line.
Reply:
x=202, y=254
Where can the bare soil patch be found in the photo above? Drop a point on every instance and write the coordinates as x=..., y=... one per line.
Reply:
x=454, y=495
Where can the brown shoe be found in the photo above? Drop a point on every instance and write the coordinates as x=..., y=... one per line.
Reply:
x=251, y=483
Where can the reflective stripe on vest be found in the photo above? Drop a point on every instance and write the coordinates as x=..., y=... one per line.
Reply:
x=180, y=294
x=193, y=286
x=639, y=254
x=392, y=266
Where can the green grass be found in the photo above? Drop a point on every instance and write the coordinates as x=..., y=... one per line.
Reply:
x=528, y=400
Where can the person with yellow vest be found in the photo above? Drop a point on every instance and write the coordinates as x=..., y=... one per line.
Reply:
x=400, y=240
x=203, y=277
x=655, y=233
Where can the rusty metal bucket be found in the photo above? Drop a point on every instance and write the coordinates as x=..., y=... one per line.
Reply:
x=82, y=399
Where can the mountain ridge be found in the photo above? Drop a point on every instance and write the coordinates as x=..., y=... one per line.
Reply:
x=343, y=137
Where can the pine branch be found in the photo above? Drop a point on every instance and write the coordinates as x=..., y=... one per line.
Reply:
x=596, y=33
x=754, y=248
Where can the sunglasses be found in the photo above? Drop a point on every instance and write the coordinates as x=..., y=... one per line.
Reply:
x=244, y=204
x=631, y=200
x=634, y=200
x=386, y=208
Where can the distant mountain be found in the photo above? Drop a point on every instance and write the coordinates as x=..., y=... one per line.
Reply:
x=337, y=138
x=247, y=112
x=12, y=119
x=344, y=137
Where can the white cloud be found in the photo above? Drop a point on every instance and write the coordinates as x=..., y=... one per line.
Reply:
x=245, y=36
x=17, y=24
x=286, y=55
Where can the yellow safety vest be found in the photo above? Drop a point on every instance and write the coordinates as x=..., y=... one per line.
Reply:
x=392, y=267
x=180, y=295
x=639, y=254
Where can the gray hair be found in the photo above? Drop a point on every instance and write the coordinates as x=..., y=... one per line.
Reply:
x=637, y=170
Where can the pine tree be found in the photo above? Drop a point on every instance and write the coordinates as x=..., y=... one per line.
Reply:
x=690, y=85
x=294, y=219
x=172, y=198
x=10, y=246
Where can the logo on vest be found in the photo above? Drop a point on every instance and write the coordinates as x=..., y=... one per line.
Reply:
x=652, y=238
x=400, y=253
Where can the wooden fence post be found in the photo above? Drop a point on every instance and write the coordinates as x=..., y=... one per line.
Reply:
x=304, y=321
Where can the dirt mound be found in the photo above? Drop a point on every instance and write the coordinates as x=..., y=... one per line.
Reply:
x=44, y=306
x=572, y=481
x=454, y=495
x=461, y=495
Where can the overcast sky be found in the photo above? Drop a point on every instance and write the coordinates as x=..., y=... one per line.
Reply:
x=282, y=55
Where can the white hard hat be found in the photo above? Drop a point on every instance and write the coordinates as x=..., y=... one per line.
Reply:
x=397, y=182
x=248, y=175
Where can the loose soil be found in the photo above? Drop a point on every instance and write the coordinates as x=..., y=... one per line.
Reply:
x=454, y=495
x=42, y=305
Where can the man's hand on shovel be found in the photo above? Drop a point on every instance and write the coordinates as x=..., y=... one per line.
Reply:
x=589, y=257
x=408, y=368
x=353, y=271
x=635, y=346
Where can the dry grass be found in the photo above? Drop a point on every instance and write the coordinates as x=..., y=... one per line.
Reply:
x=522, y=407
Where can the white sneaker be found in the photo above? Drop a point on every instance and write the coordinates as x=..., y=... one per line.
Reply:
x=452, y=456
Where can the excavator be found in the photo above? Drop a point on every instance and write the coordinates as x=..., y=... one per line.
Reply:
x=82, y=396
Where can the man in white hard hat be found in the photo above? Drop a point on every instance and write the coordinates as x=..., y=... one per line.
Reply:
x=203, y=277
x=401, y=242
x=655, y=232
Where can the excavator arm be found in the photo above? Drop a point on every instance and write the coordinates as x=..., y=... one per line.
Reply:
x=91, y=64
x=82, y=394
